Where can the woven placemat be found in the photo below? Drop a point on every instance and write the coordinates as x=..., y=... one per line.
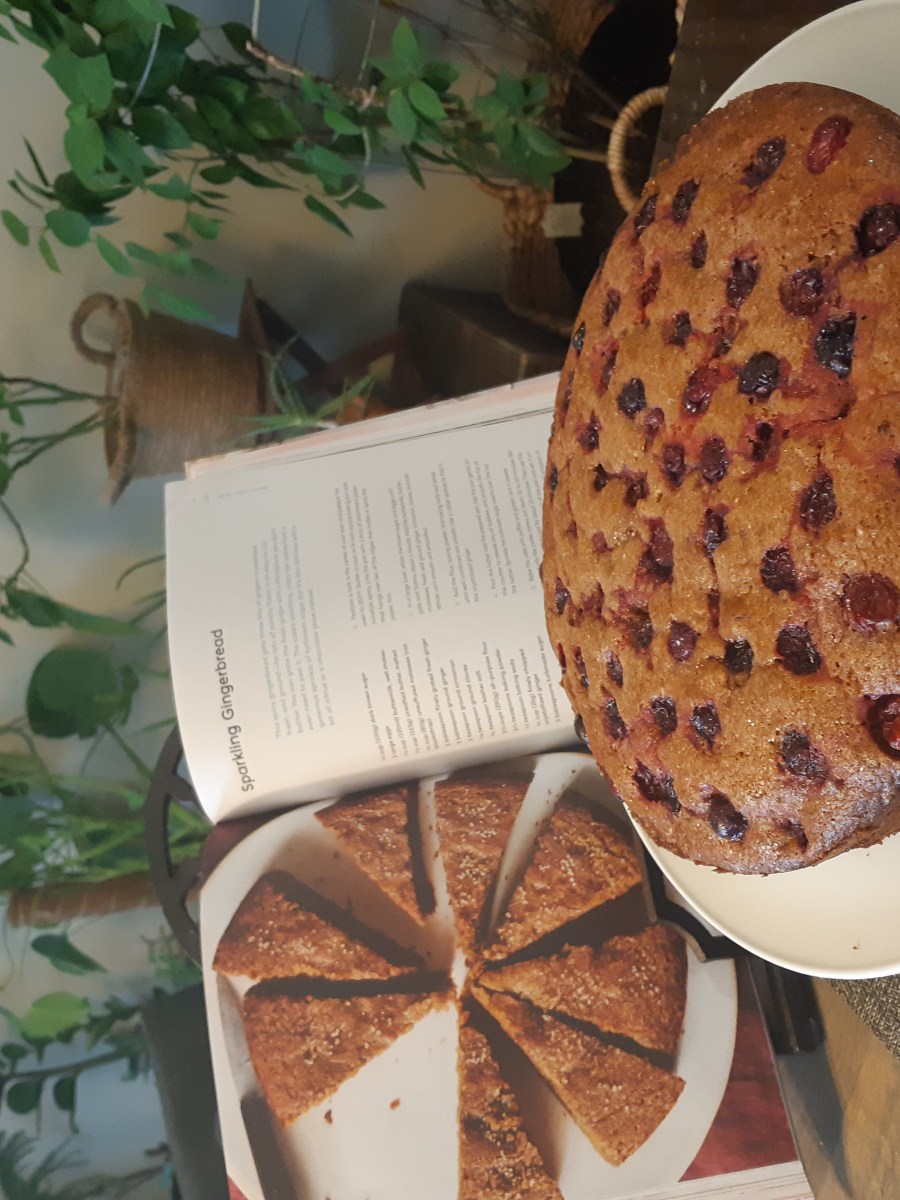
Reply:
x=877, y=1002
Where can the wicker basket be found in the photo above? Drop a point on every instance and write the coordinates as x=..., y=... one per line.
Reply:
x=175, y=391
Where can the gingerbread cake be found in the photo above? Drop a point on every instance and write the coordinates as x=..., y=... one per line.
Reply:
x=634, y=985
x=578, y=862
x=616, y=1098
x=282, y=928
x=497, y=1158
x=722, y=493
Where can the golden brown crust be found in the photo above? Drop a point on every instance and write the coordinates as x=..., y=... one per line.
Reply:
x=374, y=828
x=303, y=1048
x=634, y=986
x=578, y=863
x=474, y=816
x=496, y=1156
x=617, y=1099
x=725, y=457
x=282, y=928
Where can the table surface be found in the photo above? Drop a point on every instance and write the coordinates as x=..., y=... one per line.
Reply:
x=843, y=1098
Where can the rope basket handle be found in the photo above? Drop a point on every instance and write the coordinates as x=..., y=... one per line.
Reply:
x=83, y=312
x=618, y=141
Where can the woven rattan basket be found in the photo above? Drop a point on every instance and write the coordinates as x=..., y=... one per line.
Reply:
x=176, y=390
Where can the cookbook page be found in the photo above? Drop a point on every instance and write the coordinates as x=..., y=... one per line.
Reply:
x=362, y=617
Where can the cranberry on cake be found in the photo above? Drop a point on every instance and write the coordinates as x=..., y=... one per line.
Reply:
x=722, y=500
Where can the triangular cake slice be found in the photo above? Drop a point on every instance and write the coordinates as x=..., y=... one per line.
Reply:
x=634, y=985
x=378, y=830
x=578, y=862
x=497, y=1158
x=304, y=1047
x=616, y=1098
x=474, y=815
x=282, y=928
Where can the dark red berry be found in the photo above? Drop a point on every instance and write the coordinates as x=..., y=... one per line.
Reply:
x=657, y=788
x=673, y=463
x=680, y=329
x=826, y=142
x=758, y=377
x=561, y=656
x=659, y=559
x=724, y=819
x=580, y=668
x=599, y=544
x=802, y=293
x=613, y=300
x=614, y=668
x=879, y=227
x=801, y=757
x=645, y=215
x=883, y=723
x=653, y=423
x=699, y=251
x=639, y=628
x=705, y=722
x=603, y=363
x=699, y=390
x=560, y=595
x=762, y=441
x=682, y=641
x=738, y=657
x=572, y=530
x=601, y=477
x=649, y=286
x=580, y=731
x=818, y=503
x=587, y=434
x=777, y=570
x=713, y=531
x=713, y=460
x=765, y=162
x=724, y=331
x=833, y=346
x=871, y=602
x=741, y=281
x=578, y=338
x=632, y=398
x=615, y=726
x=635, y=487
x=798, y=651
x=683, y=200
x=565, y=399
x=592, y=604
x=553, y=480
x=665, y=714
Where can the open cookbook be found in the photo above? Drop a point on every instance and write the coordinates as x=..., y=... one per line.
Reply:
x=430, y=965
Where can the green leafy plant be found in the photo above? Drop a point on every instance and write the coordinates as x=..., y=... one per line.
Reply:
x=23, y=1179
x=151, y=108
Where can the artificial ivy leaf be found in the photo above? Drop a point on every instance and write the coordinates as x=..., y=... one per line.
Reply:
x=15, y=226
x=53, y=1015
x=76, y=691
x=4, y=637
x=49, y=258
x=413, y=167
x=25, y=1096
x=426, y=101
x=207, y=271
x=325, y=162
x=341, y=123
x=156, y=296
x=156, y=127
x=237, y=36
x=401, y=117
x=405, y=45
x=70, y=228
x=204, y=227
x=219, y=173
x=541, y=142
x=363, y=199
x=150, y=10
x=36, y=163
x=440, y=75
x=64, y=1093
x=267, y=119
x=315, y=205
x=176, y=261
x=85, y=149
x=510, y=89
x=83, y=80
x=173, y=188
x=214, y=113
x=64, y=956
x=13, y=1052
x=113, y=256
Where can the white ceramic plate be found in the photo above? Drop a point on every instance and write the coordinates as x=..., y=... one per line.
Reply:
x=840, y=919
x=356, y=1145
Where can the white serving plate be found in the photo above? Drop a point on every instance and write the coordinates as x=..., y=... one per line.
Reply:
x=370, y=1147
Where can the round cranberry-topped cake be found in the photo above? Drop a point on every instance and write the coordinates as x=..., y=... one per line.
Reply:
x=722, y=498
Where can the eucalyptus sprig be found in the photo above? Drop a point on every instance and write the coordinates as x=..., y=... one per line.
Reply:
x=151, y=109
